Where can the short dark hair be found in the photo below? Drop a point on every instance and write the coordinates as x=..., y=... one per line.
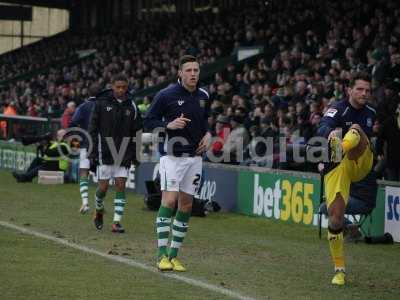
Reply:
x=185, y=59
x=119, y=77
x=359, y=76
x=94, y=89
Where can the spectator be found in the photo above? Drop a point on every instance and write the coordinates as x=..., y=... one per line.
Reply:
x=144, y=106
x=67, y=115
x=377, y=66
x=222, y=130
x=389, y=133
x=387, y=107
x=394, y=68
x=10, y=110
x=237, y=140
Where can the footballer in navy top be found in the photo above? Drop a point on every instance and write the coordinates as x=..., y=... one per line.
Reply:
x=182, y=109
x=171, y=103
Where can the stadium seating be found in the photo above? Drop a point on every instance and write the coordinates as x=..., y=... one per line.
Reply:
x=306, y=64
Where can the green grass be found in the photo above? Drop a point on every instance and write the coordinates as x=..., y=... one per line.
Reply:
x=254, y=256
x=41, y=269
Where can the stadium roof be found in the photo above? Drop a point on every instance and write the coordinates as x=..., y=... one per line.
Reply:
x=46, y=3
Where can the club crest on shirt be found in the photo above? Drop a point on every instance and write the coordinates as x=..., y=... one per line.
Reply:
x=180, y=102
x=369, y=122
x=127, y=112
x=109, y=108
x=202, y=103
x=331, y=112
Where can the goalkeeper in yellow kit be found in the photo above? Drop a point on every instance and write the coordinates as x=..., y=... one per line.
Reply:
x=351, y=159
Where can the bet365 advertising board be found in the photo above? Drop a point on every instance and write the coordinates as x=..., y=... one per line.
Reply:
x=280, y=196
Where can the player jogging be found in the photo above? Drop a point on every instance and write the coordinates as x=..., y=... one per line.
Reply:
x=114, y=124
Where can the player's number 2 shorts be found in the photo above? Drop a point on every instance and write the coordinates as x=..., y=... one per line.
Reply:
x=180, y=174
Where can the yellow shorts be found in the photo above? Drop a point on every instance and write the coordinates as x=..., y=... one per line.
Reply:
x=338, y=180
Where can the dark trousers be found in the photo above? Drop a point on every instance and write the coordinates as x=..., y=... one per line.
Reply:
x=37, y=164
x=32, y=171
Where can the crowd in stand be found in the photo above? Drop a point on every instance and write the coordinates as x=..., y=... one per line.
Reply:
x=310, y=54
x=287, y=95
x=146, y=52
x=37, y=56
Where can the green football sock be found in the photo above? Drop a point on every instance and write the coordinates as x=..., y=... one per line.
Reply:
x=163, y=224
x=119, y=206
x=100, y=199
x=179, y=229
x=83, y=185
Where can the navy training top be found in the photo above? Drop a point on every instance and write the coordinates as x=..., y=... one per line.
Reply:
x=168, y=105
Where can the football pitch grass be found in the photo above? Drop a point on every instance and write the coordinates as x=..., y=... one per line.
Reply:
x=253, y=257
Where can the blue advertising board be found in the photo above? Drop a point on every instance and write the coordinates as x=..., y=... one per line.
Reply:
x=218, y=184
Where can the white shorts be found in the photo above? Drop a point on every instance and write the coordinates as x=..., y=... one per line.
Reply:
x=83, y=160
x=105, y=172
x=180, y=174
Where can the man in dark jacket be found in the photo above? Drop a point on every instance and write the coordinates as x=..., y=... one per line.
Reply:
x=114, y=125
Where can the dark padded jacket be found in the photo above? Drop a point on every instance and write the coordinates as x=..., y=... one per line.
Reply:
x=113, y=126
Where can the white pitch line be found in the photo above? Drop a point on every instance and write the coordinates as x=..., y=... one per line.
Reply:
x=130, y=262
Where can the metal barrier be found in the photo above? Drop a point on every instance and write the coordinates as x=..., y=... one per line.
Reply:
x=16, y=126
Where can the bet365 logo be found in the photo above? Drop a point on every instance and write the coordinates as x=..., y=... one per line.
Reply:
x=284, y=200
x=393, y=208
